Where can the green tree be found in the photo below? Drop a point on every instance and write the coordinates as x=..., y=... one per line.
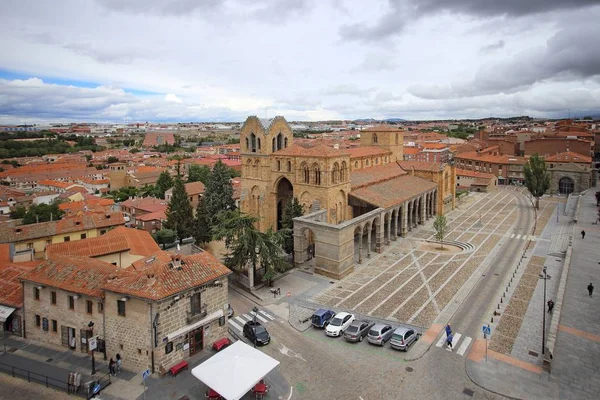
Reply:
x=18, y=213
x=112, y=159
x=165, y=236
x=124, y=193
x=219, y=191
x=201, y=229
x=42, y=213
x=440, y=225
x=293, y=209
x=537, y=178
x=164, y=183
x=134, y=150
x=148, y=191
x=179, y=211
x=247, y=246
x=199, y=173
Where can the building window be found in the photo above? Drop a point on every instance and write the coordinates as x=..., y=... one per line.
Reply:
x=71, y=303
x=89, y=306
x=121, y=307
x=83, y=236
x=36, y=293
x=52, y=297
x=289, y=166
x=38, y=321
x=29, y=246
x=196, y=303
x=278, y=165
x=355, y=164
x=67, y=239
x=54, y=326
x=103, y=231
x=48, y=241
x=100, y=308
x=374, y=138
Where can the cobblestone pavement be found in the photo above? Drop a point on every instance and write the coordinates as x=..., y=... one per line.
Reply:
x=407, y=283
x=9, y=387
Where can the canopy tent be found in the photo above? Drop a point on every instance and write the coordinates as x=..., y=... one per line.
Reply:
x=233, y=372
x=5, y=312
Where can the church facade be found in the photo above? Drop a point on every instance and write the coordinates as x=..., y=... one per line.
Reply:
x=355, y=200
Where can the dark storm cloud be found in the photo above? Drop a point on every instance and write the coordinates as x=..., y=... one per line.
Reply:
x=568, y=55
x=401, y=12
x=490, y=48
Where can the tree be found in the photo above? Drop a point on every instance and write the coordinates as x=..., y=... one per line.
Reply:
x=219, y=191
x=248, y=247
x=201, y=229
x=441, y=226
x=148, y=191
x=199, y=173
x=112, y=159
x=42, y=213
x=293, y=209
x=165, y=236
x=537, y=178
x=134, y=150
x=179, y=211
x=164, y=183
x=18, y=213
x=124, y=193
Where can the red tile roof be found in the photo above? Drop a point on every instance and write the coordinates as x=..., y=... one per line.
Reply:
x=135, y=241
x=394, y=191
x=74, y=274
x=473, y=174
x=157, y=278
x=570, y=157
x=11, y=290
x=369, y=176
x=194, y=188
x=367, y=151
x=419, y=166
x=320, y=150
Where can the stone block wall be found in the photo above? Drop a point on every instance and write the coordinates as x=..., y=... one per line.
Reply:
x=60, y=312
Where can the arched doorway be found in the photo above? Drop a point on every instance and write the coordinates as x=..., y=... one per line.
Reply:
x=285, y=191
x=309, y=243
x=566, y=185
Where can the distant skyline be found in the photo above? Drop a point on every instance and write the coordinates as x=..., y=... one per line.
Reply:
x=210, y=60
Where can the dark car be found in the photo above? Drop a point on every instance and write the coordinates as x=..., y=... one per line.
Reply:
x=321, y=318
x=357, y=331
x=256, y=333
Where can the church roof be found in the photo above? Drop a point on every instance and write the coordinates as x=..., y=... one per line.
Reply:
x=320, y=150
x=371, y=175
x=393, y=191
x=366, y=151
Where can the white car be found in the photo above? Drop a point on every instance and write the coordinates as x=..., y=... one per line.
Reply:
x=338, y=324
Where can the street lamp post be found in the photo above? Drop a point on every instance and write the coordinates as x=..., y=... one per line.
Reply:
x=544, y=275
x=91, y=326
x=255, y=309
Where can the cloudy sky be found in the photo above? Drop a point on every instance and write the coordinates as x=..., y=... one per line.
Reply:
x=221, y=60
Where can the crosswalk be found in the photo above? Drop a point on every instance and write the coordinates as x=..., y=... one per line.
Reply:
x=239, y=321
x=459, y=347
x=522, y=237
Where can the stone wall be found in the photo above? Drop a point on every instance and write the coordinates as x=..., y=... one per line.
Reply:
x=60, y=312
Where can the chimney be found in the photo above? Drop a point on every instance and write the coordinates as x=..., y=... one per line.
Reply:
x=176, y=261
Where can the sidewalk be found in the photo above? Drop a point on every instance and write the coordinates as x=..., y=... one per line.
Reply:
x=575, y=372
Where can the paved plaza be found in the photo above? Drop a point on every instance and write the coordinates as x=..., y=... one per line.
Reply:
x=412, y=283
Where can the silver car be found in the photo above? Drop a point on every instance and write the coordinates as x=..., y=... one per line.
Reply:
x=402, y=338
x=380, y=333
x=357, y=331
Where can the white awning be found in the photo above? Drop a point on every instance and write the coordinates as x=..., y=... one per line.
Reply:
x=208, y=319
x=233, y=372
x=5, y=312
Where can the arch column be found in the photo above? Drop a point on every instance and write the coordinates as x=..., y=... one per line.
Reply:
x=395, y=219
x=409, y=216
x=360, y=240
x=422, y=210
x=415, y=217
x=387, y=226
x=369, y=240
x=379, y=234
x=426, y=206
x=403, y=219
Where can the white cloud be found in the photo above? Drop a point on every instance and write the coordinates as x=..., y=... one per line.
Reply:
x=223, y=60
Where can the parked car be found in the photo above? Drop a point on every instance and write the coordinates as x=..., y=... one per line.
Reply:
x=402, y=338
x=380, y=333
x=321, y=318
x=256, y=333
x=339, y=324
x=357, y=331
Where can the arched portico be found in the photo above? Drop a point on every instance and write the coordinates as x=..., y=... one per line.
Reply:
x=284, y=192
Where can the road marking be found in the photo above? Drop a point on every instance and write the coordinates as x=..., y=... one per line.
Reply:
x=455, y=339
x=259, y=317
x=243, y=318
x=512, y=236
x=236, y=326
x=266, y=315
x=441, y=341
x=463, y=347
x=519, y=236
x=291, y=392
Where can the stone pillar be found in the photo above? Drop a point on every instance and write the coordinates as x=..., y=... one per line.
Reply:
x=422, y=210
x=300, y=253
x=415, y=211
x=403, y=219
x=379, y=235
x=435, y=202
x=251, y=277
x=409, y=215
x=386, y=235
x=360, y=240
x=395, y=225
x=369, y=241
x=426, y=206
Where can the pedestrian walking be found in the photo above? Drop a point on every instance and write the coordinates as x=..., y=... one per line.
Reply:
x=449, y=340
x=448, y=330
x=111, y=367
x=583, y=234
x=119, y=361
x=550, y=305
x=590, y=288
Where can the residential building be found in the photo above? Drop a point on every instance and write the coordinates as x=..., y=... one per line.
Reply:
x=11, y=295
x=570, y=172
x=475, y=181
x=28, y=242
x=508, y=169
x=139, y=206
x=194, y=190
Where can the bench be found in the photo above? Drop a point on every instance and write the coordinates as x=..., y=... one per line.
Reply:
x=177, y=368
x=221, y=344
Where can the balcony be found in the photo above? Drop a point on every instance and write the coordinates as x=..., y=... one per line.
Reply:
x=196, y=316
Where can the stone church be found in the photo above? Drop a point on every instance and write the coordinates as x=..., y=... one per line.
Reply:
x=356, y=200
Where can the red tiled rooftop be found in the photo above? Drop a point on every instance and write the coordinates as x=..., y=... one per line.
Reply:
x=369, y=176
x=11, y=290
x=570, y=157
x=320, y=150
x=419, y=166
x=367, y=151
x=393, y=191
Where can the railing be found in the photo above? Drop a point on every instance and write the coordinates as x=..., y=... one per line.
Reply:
x=103, y=382
x=35, y=377
x=194, y=317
